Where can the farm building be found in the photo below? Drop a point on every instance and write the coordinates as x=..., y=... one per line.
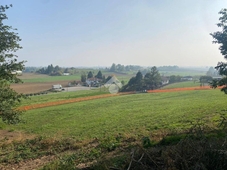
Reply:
x=217, y=77
x=66, y=74
x=93, y=81
x=165, y=80
x=187, y=78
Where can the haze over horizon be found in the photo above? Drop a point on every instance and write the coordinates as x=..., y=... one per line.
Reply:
x=130, y=32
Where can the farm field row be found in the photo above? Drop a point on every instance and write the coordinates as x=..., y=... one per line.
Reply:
x=134, y=115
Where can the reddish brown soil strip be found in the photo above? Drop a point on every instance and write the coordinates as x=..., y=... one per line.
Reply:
x=180, y=89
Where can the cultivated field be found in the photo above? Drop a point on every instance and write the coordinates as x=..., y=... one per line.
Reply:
x=34, y=83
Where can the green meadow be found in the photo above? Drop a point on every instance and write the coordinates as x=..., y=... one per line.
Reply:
x=135, y=115
x=182, y=85
x=57, y=96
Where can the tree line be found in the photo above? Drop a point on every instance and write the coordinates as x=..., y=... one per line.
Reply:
x=151, y=80
x=56, y=70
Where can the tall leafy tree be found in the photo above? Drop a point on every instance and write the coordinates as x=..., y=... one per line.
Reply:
x=83, y=78
x=153, y=79
x=9, y=43
x=113, y=67
x=220, y=37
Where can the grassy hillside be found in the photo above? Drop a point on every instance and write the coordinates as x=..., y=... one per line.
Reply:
x=61, y=96
x=136, y=115
x=112, y=133
x=182, y=85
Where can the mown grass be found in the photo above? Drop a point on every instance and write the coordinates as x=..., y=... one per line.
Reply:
x=134, y=115
x=61, y=96
x=182, y=84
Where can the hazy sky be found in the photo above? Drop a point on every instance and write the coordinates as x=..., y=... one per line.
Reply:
x=102, y=32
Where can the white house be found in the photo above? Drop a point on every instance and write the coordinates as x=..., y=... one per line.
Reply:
x=165, y=80
x=66, y=74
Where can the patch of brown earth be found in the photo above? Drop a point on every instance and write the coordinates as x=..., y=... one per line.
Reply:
x=27, y=88
x=29, y=164
x=9, y=136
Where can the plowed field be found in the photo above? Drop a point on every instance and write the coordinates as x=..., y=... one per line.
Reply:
x=27, y=88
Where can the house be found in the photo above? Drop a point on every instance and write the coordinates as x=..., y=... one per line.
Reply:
x=187, y=78
x=165, y=80
x=217, y=78
x=66, y=74
x=93, y=81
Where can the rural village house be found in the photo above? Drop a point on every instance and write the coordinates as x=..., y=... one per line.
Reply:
x=93, y=81
x=165, y=80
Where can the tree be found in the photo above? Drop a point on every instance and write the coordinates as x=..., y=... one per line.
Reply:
x=9, y=43
x=153, y=79
x=211, y=72
x=99, y=75
x=83, y=78
x=220, y=37
x=89, y=75
x=139, y=76
x=173, y=78
x=205, y=79
x=113, y=67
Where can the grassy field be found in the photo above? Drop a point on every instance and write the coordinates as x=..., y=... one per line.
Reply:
x=41, y=78
x=193, y=73
x=182, y=84
x=135, y=115
x=50, y=78
x=108, y=130
x=61, y=96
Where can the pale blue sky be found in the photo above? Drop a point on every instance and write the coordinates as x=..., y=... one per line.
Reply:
x=102, y=32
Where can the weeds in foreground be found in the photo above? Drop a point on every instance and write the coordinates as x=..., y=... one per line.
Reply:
x=199, y=148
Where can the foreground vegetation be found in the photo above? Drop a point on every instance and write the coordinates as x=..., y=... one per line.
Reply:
x=92, y=129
